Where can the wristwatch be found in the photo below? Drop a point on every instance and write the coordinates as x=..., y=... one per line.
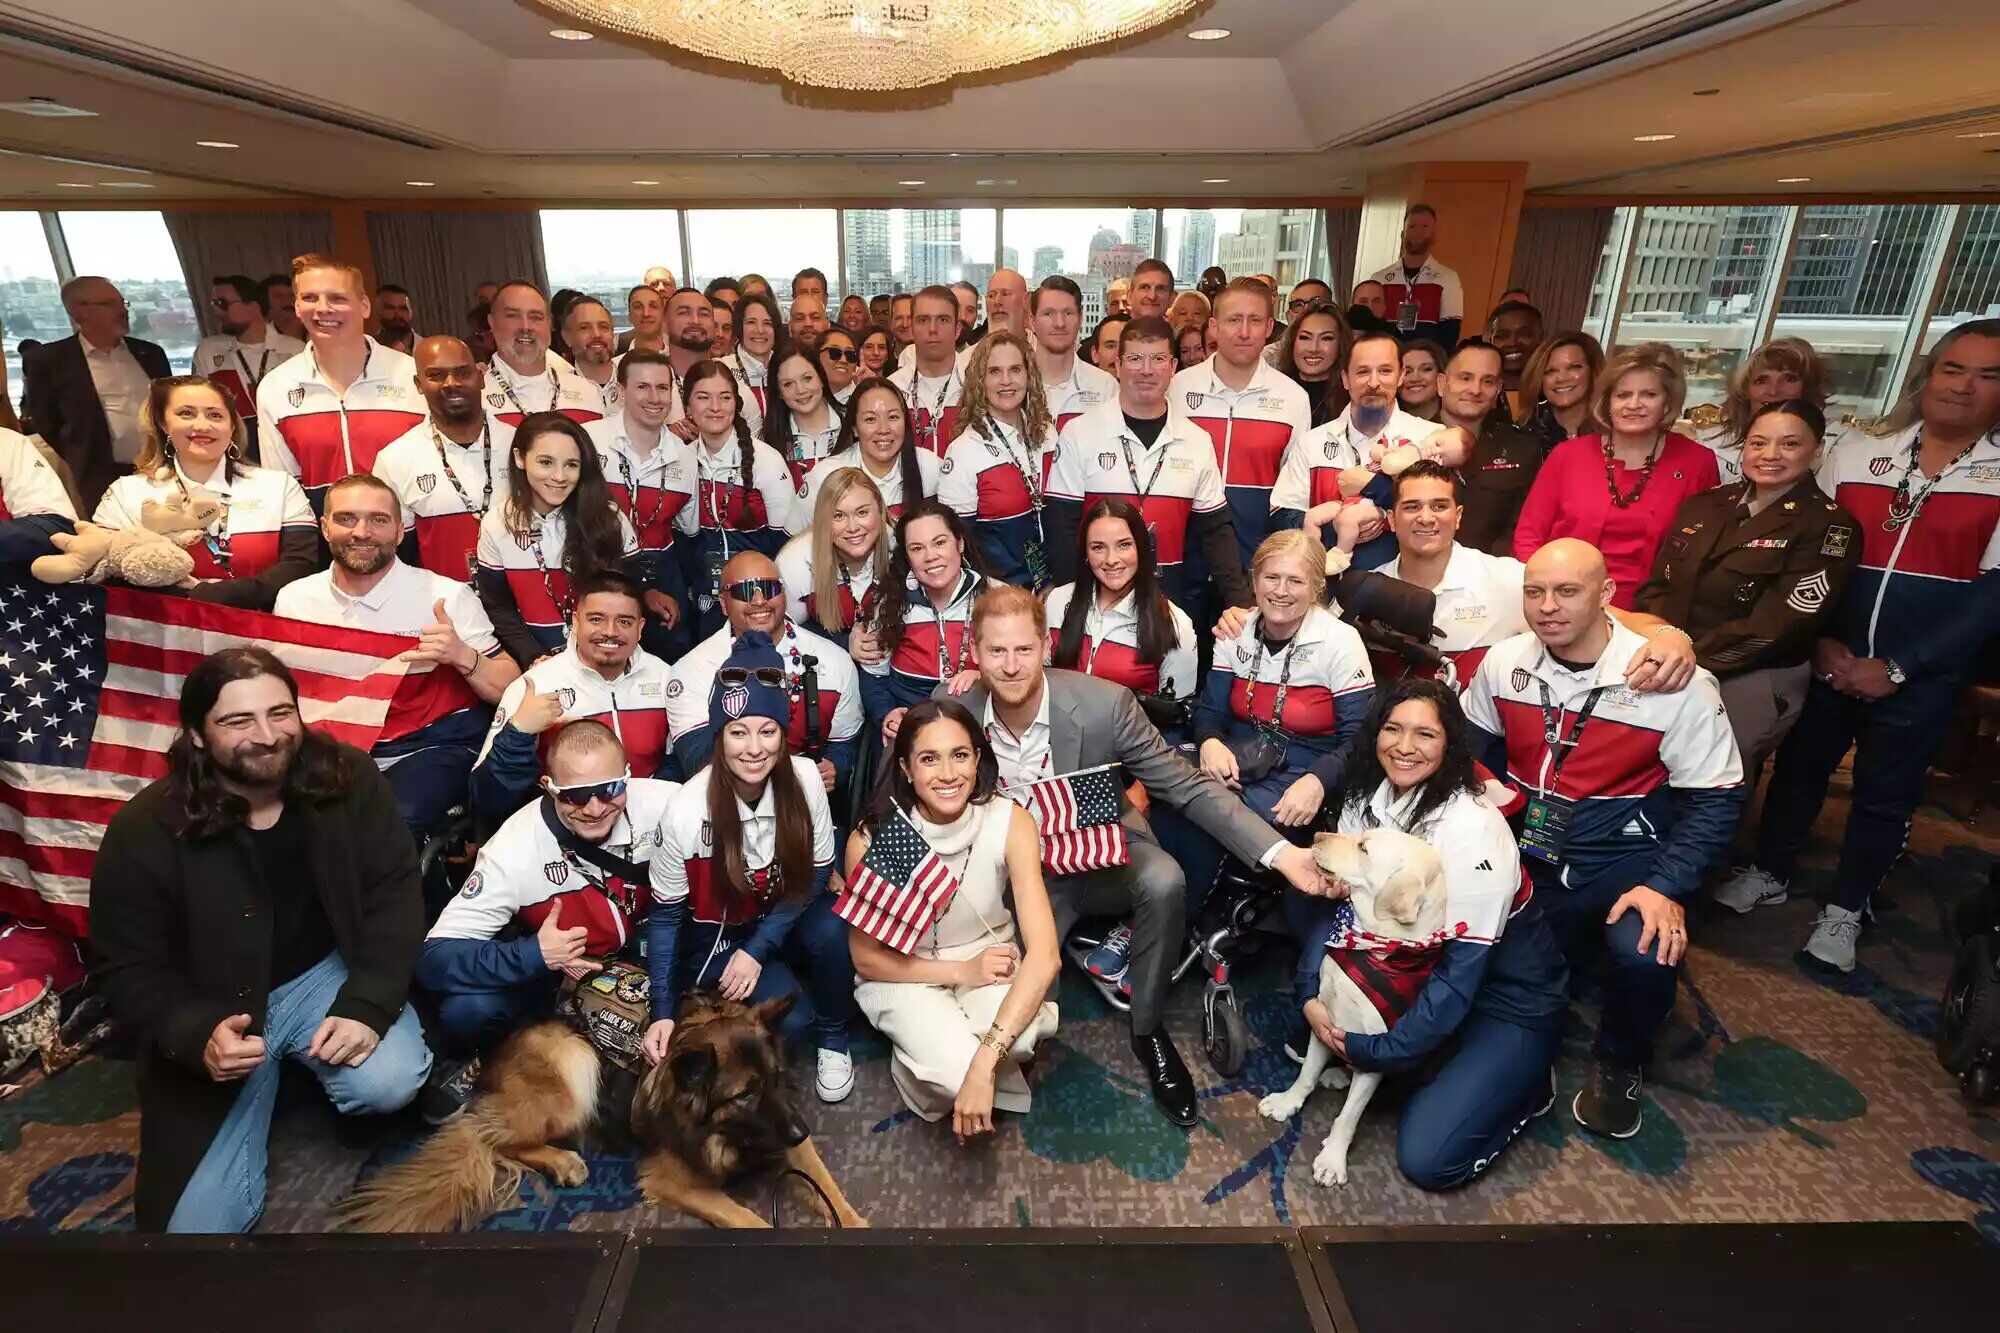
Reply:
x=1896, y=674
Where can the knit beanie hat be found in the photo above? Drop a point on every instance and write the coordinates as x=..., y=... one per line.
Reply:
x=730, y=698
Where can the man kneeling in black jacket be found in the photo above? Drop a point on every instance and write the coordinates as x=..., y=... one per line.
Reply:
x=259, y=902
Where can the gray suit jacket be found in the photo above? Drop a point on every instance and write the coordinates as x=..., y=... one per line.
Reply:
x=1094, y=722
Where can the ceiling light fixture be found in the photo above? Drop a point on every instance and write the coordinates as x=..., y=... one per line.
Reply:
x=215, y=143
x=1653, y=138
x=73, y=185
x=875, y=45
x=1215, y=180
x=125, y=185
x=909, y=182
x=1706, y=92
x=1208, y=34
x=1793, y=180
x=422, y=185
x=645, y=182
x=571, y=35
x=1978, y=134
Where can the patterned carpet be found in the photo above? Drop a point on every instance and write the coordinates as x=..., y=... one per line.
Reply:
x=1785, y=1093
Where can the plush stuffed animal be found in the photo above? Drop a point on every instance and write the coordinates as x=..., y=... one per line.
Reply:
x=152, y=555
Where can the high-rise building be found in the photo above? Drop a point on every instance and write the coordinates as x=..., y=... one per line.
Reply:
x=870, y=271
x=1972, y=288
x=931, y=249
x=1140, y=229
x=1048, y=263
x=1197, y=246
x=1010, y=258
x=1277, y=241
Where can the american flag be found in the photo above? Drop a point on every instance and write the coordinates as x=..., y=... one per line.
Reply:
x=90, y=682
x=900, y=888
x=1077, y=814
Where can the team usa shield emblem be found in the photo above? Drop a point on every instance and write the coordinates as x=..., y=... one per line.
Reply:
x=1519, y=678
x=555, y=872
x=427, y=483
x=1105, y=460
x=1194, y=401
x=1879, y=467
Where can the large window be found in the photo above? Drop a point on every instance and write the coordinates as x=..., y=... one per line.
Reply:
x=1972, y=284
x=30, y=292
x=1091, y=245
x=1698, y=280
x=776, y=242
x=1287, y=243
x=134, y=251
x=1858, y=275
x=904, y=249
x=606, y=251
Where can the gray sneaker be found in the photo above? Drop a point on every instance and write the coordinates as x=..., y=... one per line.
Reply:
x=1750, y=887
x=1834, y=936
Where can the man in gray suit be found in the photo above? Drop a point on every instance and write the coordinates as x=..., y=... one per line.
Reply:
x=1045, y=722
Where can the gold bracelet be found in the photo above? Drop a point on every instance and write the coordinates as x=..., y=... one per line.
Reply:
x=997, y=1041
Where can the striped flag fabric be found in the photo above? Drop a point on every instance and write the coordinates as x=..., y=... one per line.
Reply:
x=90, y=684
x=1077, y=814
x=900, y=888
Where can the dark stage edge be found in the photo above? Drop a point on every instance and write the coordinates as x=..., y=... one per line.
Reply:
x=1482, y=1279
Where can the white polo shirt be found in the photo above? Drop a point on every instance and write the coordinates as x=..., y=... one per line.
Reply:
x=445, y=488
x=259, y=504
x=510, y=395
x=1478, y=605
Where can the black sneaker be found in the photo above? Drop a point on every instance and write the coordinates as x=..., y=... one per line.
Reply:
x=447, y=1090
x=1609, y=1102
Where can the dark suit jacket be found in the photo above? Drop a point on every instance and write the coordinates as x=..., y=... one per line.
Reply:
x=1094, y=722
x=59, y=400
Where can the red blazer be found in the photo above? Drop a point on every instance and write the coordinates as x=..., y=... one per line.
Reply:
x=1570, y=498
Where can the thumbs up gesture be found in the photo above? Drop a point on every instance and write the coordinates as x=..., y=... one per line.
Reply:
x=439, y=642
x=561, y=949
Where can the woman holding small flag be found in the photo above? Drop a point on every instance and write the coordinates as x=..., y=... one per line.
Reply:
x=739, y=885
x=955, y=981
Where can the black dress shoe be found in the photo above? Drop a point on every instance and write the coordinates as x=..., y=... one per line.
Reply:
x=1173, y=1086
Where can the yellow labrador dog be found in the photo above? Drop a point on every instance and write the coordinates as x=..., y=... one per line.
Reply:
x=1377, y=961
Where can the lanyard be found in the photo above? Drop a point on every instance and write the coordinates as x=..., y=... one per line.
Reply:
x=927, y=426
x=625, y=474
x=1022, y=779
x=215, y=539
x=946, y=670
x=486, y=460
x=1561, y=747
x=507, y=387
x=864, y=605
x=1145, y=492
x=1903, y=506
x=562, y=604
x=742, y=371
x=1026, y=463
x=710, y=504
x=263, y=360
x=1284, y=684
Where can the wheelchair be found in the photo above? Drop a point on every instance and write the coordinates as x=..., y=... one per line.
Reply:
x=1242, y=912
x=1968, y=1040
x=445, y=859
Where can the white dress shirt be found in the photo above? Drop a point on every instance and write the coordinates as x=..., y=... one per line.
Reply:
x=122, y=385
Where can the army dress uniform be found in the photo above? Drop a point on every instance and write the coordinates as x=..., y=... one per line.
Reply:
x=1755, y=592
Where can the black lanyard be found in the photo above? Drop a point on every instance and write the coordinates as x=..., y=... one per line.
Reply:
x=1132, y=469
x=944, y=658
x=1560, y=748
x=263, y=360
x=555, y=385
x=927, y=430
x=486, y=458
x=562, y=604
x=1030, y=474
x=631, y=480
x=1284, y=684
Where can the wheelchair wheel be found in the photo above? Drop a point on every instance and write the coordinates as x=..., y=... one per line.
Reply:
x=1971, y=1019
x=1982, y=1084
x=1224, y=1039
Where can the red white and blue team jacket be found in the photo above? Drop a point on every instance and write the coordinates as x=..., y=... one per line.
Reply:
x=262, y=507
x=994, y=484
x=1328, y=691
x=655, y=493
x=319, y=436
x=929, y=641
x=930, y=471
x=522, y=572
x=1652, y=773
x=857, y=594
x=1925, y=594
x=1478, y=606
x=237, y=368
x=1178, y=481
x=720, y=522
x=1438, y=293
x=1110, y=649
x=1086, y=387
x=524, y=872
x=1253, y=430
x=443, y=521
x=633, y=704
x=932, y=404
x=839, y=702
x=511, y=396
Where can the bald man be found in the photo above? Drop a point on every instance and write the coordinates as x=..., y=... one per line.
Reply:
x=1631, y=799
x=826, y=723
x=1006, y=303
x=84, y=393
x=660, y=278
x=447, y=468
x=808, y=320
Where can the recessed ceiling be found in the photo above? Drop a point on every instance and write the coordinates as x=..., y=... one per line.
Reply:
x=350, y=99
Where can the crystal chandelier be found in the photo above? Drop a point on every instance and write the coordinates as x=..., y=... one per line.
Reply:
x=875, y=45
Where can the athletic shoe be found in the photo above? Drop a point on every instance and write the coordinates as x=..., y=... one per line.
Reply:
x=1834, y=936
x=447, y=1090
x=835, y=1077
x=1750, y=887
x=1609, y=1102
x=1108, y=961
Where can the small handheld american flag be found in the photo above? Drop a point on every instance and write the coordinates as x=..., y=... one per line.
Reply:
x=1077, y=814
x=900, y=888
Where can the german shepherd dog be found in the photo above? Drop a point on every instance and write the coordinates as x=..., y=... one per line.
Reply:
x=717, y=1112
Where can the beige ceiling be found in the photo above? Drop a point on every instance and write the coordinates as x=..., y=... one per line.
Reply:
x=352, y=98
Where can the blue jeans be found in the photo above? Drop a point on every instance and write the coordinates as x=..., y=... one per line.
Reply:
x=1493, y=1082
x=226, y=1192
x=815, y=951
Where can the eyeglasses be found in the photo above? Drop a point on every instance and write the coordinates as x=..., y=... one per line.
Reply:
x=748, y=590
x=840, y=354
x=583, y=793
x=224, y=302
x=772, y=676
x=1310, y=305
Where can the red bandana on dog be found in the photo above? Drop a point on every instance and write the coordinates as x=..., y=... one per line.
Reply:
x=1389, y=972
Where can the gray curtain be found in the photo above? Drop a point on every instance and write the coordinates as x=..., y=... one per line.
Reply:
x=1555, y=261
x=1343, y=238
x=255, y=245
x=441, y=255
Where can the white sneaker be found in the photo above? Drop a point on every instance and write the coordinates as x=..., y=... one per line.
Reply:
x=835, y=1077
x=1749, y=887
x=1833, y=937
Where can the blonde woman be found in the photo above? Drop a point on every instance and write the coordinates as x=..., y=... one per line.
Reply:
x=994, y=471
x=834, y=572
x=1620, y=489
x=1782, y=370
